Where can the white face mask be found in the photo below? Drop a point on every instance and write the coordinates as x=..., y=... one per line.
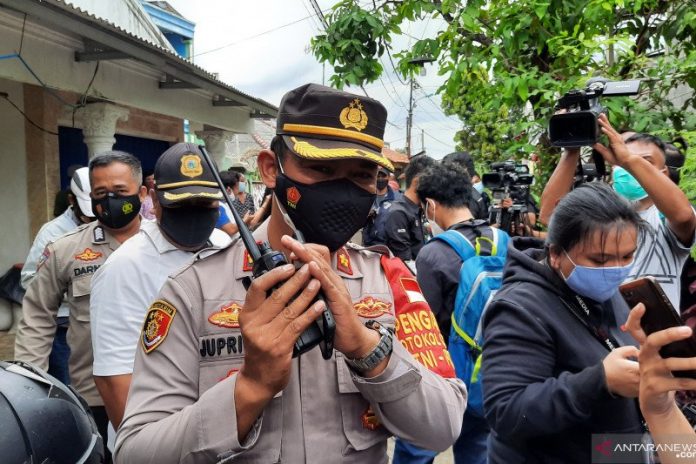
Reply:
x=242, y=187
x=434, y=227
x=478, y=186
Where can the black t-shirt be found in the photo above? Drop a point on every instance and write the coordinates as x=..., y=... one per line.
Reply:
x=404, y=229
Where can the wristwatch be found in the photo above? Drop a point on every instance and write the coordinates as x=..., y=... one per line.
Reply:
x=378, y=354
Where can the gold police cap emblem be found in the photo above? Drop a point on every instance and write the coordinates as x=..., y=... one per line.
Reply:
x=353, y=116
x=191, y=165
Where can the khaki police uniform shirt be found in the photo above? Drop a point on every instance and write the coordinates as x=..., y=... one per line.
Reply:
x=66, y=267
x=181, y=403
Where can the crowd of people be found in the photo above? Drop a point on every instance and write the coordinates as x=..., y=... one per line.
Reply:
x=509, y=346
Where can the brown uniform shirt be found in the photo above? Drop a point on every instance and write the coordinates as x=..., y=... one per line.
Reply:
x=181, y=403
x=66, y=267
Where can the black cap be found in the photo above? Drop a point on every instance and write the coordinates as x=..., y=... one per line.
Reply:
x=182, y=174
x=319, y=122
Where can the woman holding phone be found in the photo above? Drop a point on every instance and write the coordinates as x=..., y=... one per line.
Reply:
x=556, y=366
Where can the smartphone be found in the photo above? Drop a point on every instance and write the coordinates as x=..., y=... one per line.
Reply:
x=659, y=315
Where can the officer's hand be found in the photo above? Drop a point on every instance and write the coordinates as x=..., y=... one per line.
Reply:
x=271, y=324
x=506, y=203
x=352, y=338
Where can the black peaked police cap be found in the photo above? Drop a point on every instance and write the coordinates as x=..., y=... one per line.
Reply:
x=322, y=123
x=182, y=174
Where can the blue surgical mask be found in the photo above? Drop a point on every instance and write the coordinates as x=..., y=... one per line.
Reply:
x=626, y=185
x=242, y=187
x=478, y=186
x=597, y=283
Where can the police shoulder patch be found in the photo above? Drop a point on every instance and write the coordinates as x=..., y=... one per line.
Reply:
x=156, y=326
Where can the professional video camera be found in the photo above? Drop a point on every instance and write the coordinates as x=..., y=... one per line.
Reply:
x=509, y=180
x=578, y=126
x=585, y=172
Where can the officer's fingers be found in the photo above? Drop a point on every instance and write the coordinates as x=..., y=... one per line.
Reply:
x=306, y=252
x=256, y=294
x=298, y=306
x=331, y=283
x=280, y=297
x=298, y=325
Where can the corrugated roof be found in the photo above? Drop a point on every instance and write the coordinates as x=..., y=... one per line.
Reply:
x=395, y=156
x=29, y=7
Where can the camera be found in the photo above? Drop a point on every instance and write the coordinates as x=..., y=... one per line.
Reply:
x=509, y=180
x=578, y=126
x=508, y=177
x=586, y=172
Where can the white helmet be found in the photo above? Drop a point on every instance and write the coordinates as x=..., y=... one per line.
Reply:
x=79, y=186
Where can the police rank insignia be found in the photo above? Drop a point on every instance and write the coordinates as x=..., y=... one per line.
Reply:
x=156, y=326
x=371, y=308
x=88, y=255
x=343, y=262
x=248, y=265
x=227, y=316
x=191, y=165
x=353, y=116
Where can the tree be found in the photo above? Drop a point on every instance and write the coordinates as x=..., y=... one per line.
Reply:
x=507, y=62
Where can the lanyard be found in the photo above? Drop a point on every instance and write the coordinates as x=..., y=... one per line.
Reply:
x=604, y=337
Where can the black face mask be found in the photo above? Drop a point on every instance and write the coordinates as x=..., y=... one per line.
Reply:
x=189, y=226
x=327, y=213
x=116, y=211
x=382, y=183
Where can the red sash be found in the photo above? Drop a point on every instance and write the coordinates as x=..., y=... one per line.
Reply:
x=416, y=327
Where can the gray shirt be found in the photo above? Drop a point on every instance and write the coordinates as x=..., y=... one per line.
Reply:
x=661, y=255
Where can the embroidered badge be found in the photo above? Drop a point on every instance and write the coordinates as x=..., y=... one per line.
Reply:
x=343, y=262
x=156, y=326
x=248, y=264
x=191, y=165
x=293, y=196
x=42, y=259
x=353, y=116
x=369, y=419
x=412, y=289
x=371, y=308
x=227, y=316
x=88, y=255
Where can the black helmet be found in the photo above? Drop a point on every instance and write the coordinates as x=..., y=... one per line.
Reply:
x=44, y=421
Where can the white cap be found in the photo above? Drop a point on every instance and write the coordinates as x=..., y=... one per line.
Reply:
x=79, y=186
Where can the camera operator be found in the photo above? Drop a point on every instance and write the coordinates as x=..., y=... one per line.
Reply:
x=641, y=176
x=657, y=385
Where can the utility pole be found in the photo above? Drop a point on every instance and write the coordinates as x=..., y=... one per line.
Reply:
x=420, y=62
x=422, y=139
x=409, y=118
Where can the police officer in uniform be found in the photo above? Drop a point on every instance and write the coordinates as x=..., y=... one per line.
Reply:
x=67, y=266
x=214, y=379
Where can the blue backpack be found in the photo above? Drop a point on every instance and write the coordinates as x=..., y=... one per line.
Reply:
x=480, y=277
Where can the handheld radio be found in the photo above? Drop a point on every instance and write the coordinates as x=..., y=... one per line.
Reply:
x=321, y=332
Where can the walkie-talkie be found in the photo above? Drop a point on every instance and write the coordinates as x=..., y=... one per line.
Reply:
x=265, y=259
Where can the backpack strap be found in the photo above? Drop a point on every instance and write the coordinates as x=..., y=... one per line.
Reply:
x=464, y=248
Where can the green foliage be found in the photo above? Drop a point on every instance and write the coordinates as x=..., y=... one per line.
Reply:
x=507, y=62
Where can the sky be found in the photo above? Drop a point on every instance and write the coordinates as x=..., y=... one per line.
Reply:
x=261, y=47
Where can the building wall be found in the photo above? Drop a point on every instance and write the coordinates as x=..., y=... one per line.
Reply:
x=14, y=232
